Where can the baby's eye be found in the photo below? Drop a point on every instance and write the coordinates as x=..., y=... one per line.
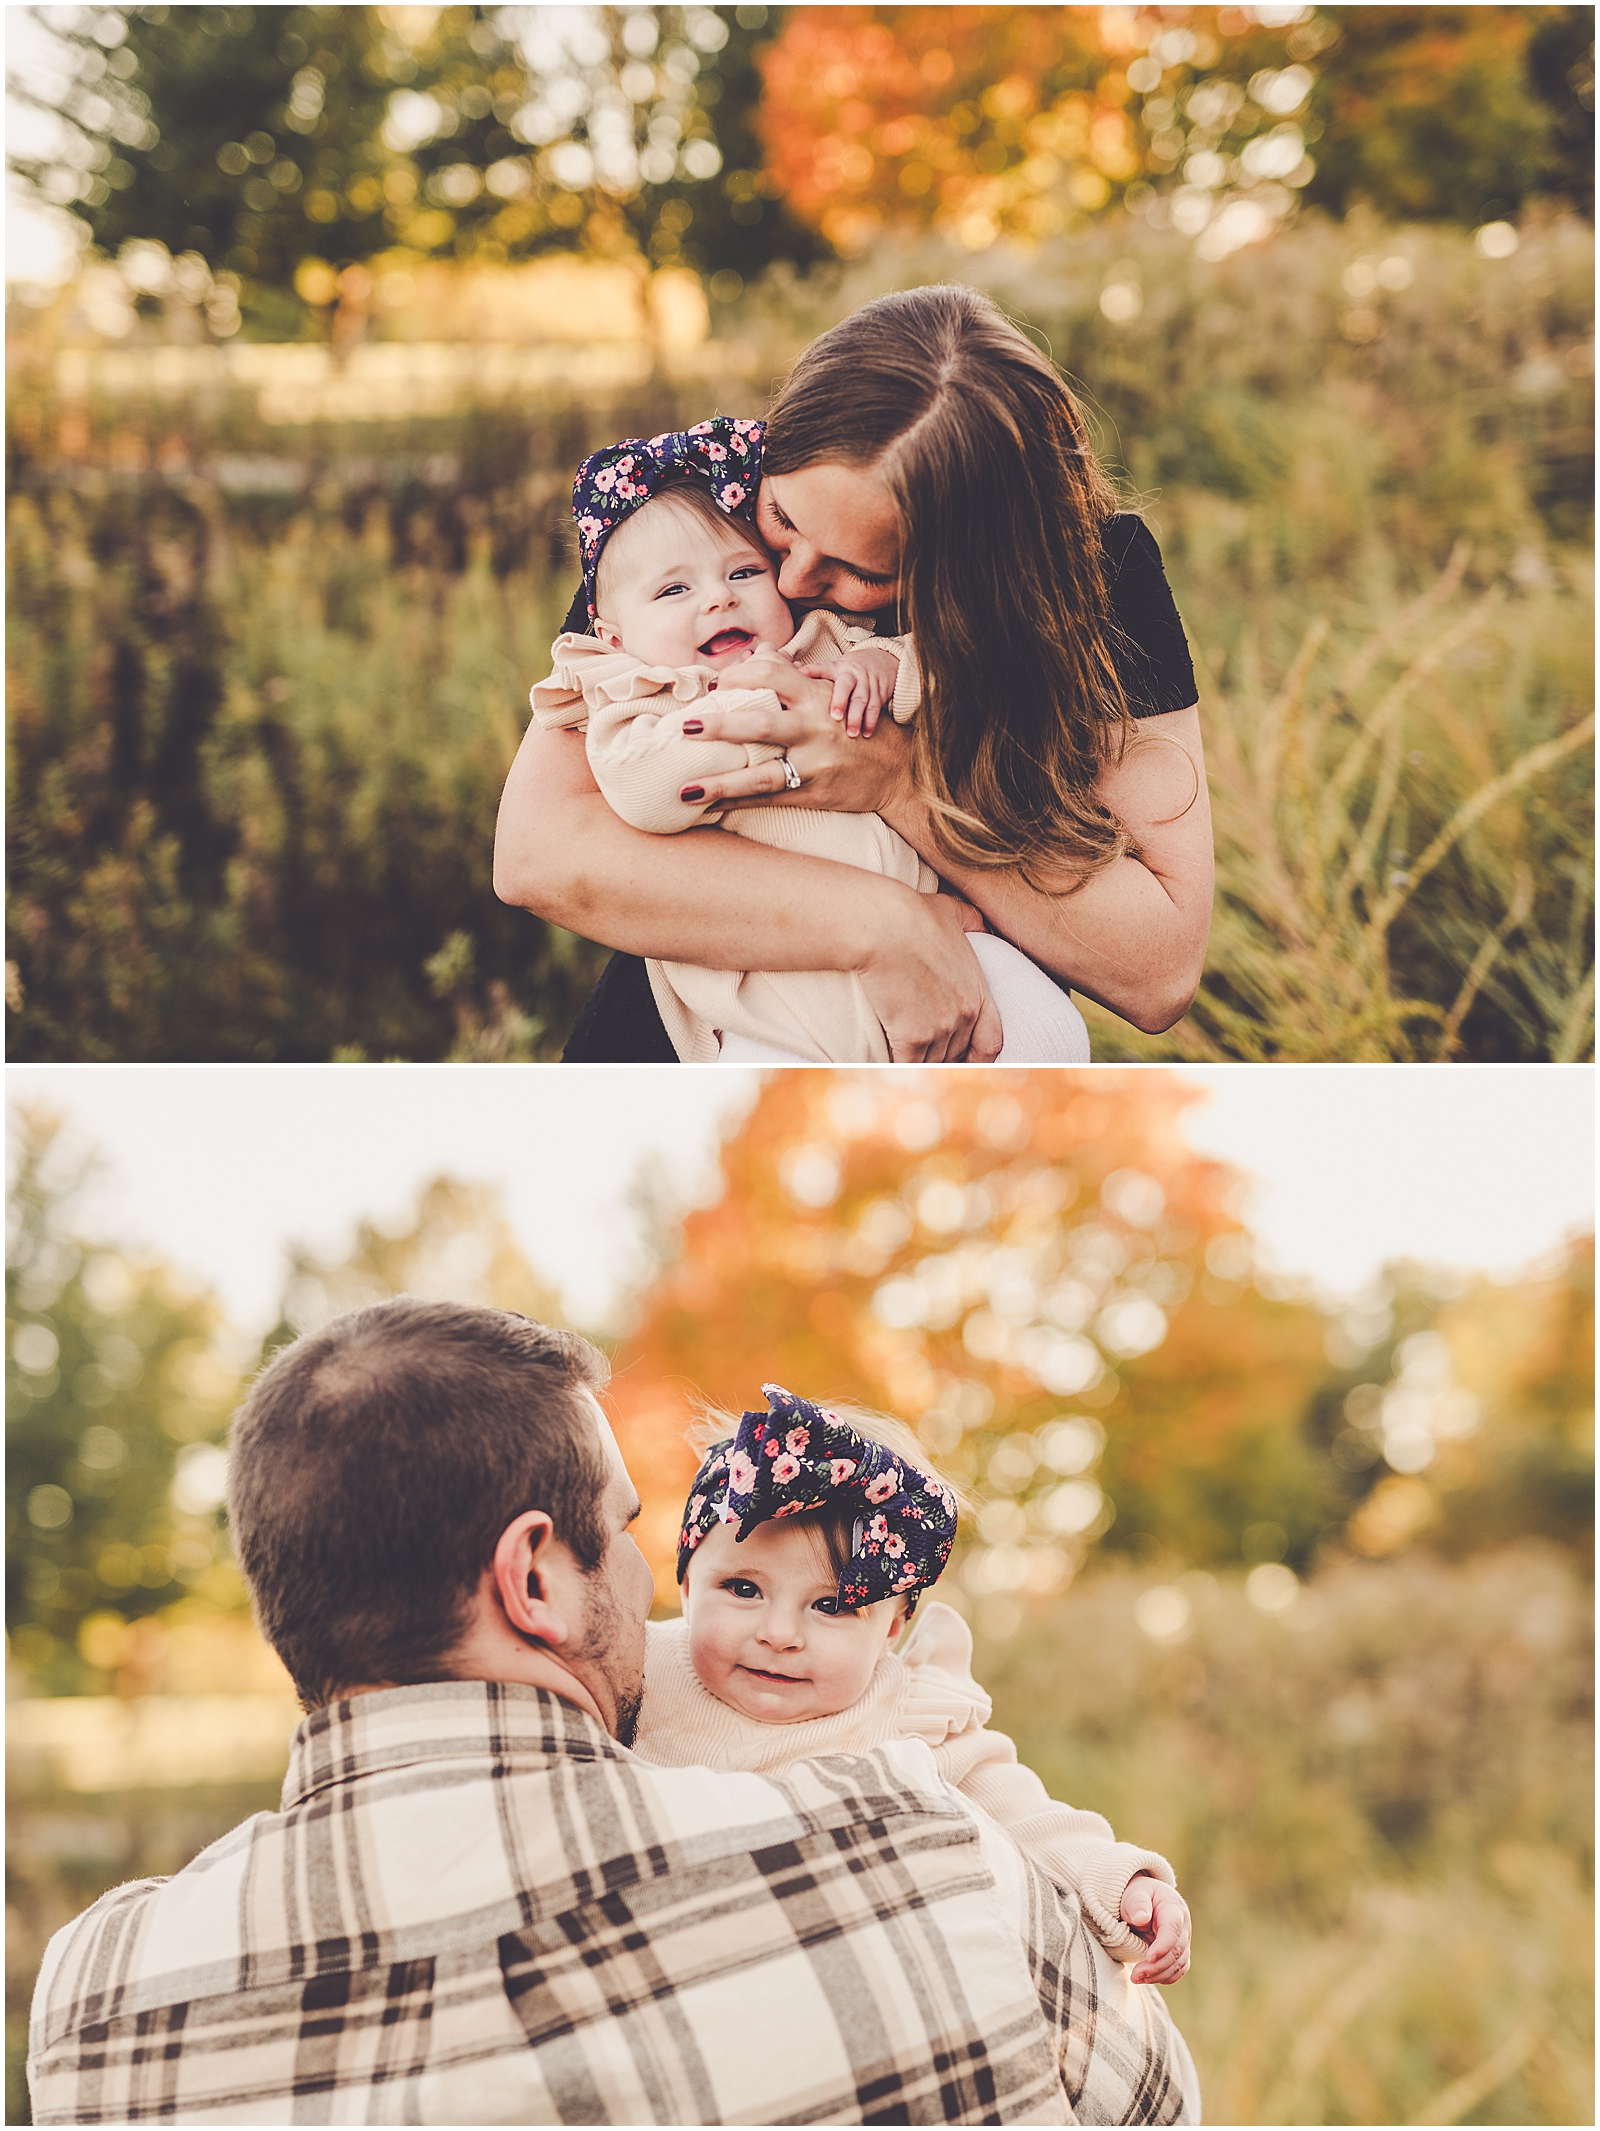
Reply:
x=832, y=1605
x=667, y=591
x=740, y=1587
x=748, y=569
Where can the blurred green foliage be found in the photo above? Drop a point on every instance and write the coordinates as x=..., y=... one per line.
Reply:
x=120, y=1384
x=195, y=83
x=1379, y=1807
x=258, y=729
x=1455, y=113
x=257, y=140
x=256, y=768
x=458, y=1244
x=118, y=1390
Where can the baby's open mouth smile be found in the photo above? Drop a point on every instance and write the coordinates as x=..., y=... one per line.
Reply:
x=724, y=641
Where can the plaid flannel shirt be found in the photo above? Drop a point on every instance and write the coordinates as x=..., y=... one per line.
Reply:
x=475, y=1907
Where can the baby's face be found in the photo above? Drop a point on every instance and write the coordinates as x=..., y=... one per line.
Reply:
x=679, y=593
x=765, y=1635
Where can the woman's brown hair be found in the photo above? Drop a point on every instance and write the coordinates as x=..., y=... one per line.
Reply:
x=1002, y=586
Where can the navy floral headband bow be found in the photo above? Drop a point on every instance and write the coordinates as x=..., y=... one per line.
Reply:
x=613, y=483
x=796, y=1457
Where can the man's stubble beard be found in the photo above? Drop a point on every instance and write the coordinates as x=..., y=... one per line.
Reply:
x=603, y=1634
x=628, y=1709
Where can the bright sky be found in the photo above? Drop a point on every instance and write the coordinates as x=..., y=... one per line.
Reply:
x=41, y=242
x=217, y=1168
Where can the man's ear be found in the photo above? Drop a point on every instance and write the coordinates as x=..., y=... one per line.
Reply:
x=607, y=633
x=523, y=1588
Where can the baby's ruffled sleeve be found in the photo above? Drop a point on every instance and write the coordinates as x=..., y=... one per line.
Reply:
x=940, y=1699
x=1075, y=1849
x=632, y=716
x=642, y=757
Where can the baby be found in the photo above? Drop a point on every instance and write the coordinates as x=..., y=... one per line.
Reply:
x=806, y=1541
x=681, y=592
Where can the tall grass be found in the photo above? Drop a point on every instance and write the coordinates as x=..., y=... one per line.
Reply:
x=1403, y=865
x=257, y=738
x=266, y=832
x=1379, y=1807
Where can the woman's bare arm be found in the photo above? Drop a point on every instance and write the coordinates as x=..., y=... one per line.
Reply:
x=1133, y=937
x=726, y=903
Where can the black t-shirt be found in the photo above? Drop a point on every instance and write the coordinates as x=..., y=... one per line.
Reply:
x=619, y=1024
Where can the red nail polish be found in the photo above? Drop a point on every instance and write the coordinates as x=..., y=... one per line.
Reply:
x=693, y=725
x=693, y=791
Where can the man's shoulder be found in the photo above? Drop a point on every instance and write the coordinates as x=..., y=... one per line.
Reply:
x=533, y=1889
x=898, y=1777
x=123, y=1948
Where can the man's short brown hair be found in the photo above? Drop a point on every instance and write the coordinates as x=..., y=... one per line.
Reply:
x=374, y=1466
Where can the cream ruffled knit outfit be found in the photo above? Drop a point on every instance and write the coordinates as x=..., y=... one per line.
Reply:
x=631, y=715
x=925, y=1692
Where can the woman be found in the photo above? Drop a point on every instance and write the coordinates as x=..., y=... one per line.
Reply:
x=926, y=465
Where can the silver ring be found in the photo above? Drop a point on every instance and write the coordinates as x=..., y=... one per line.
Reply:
x=791, y=776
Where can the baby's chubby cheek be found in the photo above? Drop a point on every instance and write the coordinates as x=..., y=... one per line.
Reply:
x=711, y=1668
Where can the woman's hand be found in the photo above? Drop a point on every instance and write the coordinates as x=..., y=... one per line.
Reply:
x=732, y=904
x=838, y=773
x=1159, y=1915
x=926, y=988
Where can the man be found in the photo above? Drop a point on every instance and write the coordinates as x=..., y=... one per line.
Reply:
x=475, y=1905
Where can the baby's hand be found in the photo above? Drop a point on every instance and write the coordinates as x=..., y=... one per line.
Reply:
x=1160, y=1916
x=862, y=684
x=754, y=654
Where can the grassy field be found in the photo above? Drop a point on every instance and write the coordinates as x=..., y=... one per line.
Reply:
x=1378, y=1805
x=265, y=678
x=1379, y=1808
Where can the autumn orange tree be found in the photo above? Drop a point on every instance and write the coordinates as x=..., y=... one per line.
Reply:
x=983, y=122
x=1037, y=1271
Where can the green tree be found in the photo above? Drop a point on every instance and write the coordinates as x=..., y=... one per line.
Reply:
x=119, y=1383
x=1455, y=114
x=1460, y=1413
x=258, y=132
x=274, y=143
x=457, y=1246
